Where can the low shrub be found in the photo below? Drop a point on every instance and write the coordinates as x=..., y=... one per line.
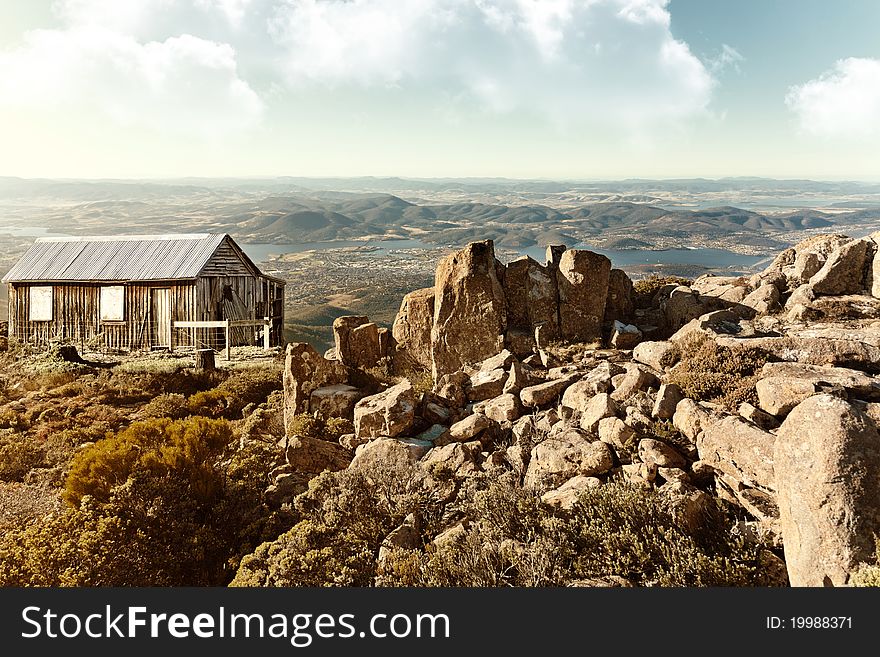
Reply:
x=868, y=574
x=19, y=454
x=725, y=375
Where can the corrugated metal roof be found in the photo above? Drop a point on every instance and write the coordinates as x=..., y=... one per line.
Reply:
x=120, y=258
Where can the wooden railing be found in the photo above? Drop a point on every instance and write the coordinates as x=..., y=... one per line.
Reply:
x=226, y=325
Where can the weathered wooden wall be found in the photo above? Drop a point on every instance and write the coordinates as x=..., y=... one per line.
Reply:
x=76, y=311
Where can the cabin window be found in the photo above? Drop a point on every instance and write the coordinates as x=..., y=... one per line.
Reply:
x=112, y=303
x=41, y=303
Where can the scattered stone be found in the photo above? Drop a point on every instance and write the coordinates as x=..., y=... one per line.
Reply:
x=487, y=384
x=739, y=450
x=455, y=459
x=404, y=537
x=757, y=417
x=544, y=393
x=453, y=388
x=505, y=408
x=777, y=395
x=690, y=418
x=625, y=336
x=313, y=455
x=517, y=379
x=386, y=455
x=557, y=460
x=667, y=400
x=600, y=406
x=615, y=432
x=469, y=428
x=335, y=401
x=763, y=300
x=655, y=451
x=567, y=494
x=389, y=413
x=635, y=380
x=656, y=355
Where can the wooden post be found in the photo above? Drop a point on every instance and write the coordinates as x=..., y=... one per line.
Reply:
x=266, y=330
x=205, y=359
x=226, y=329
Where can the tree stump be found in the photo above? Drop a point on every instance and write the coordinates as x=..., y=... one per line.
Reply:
x=205, y=360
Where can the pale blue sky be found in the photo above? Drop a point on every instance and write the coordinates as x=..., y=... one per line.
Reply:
x=518, y=88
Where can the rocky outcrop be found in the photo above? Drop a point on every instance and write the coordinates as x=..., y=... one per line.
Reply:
x=827, y=461
x=305, y=370
x=412, y=329
x=582, y=279
x=470, y=314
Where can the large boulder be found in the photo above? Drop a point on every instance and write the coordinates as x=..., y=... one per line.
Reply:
x=827, y=463
x=530, y=290
x=305, y=370
x=844, y=271
x=740, y=450
x=620, y=304
x=389, y=413
x=813, y=351
x=412, y=329
x=470, y=313
x=582, y=279
x=356, y=341
x=784, y=385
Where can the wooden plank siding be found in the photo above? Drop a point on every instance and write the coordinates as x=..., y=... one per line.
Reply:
x=228, y=287
x=76, y=311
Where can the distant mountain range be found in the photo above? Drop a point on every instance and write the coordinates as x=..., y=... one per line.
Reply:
x=516, y=214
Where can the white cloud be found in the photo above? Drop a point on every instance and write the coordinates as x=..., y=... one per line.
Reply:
x=842, y=102
x=189, y=65
x=182, y=85
x=729, y=57
x=611, y=61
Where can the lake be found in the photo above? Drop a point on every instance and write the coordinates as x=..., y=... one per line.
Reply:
x=621, y=258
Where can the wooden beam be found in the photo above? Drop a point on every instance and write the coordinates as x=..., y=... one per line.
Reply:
x=205, y=324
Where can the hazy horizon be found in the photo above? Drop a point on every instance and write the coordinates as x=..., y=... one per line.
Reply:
x=560, y=90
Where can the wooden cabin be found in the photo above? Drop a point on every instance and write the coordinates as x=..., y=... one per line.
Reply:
x=143, y=292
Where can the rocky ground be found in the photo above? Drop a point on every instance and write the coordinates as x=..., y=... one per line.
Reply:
x=757, y=394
